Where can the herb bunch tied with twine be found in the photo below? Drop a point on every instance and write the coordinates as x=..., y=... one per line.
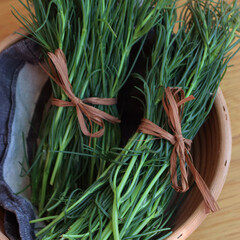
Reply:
x=102, y=191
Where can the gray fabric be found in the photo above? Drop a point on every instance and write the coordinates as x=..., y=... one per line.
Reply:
x=30, y=80
x=16, y=63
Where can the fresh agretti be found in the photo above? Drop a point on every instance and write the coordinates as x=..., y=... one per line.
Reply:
x=88, y=187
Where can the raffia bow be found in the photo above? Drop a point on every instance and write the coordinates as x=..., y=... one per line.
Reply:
x=173, y=106
x=58, y=67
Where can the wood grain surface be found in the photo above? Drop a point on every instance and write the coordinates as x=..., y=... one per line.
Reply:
x=225, y=224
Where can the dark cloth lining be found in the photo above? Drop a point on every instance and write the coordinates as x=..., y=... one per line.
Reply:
x=18, y=211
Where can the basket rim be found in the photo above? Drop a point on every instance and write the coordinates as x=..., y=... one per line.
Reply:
x=12, y=39
x=184, y=230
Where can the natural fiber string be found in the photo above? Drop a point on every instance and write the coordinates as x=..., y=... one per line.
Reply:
x=59, y=73
x=173, y=105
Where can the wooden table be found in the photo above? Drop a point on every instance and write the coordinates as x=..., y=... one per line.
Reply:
x=225, y=224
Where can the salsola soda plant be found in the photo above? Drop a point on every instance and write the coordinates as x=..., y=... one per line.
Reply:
x=124, y=193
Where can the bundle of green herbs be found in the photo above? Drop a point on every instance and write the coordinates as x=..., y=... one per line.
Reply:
x=96, y=37
x=103, y=191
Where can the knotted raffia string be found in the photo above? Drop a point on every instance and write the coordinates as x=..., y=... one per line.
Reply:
x=59, y=73
x=173, y=105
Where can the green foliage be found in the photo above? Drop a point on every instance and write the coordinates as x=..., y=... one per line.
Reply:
x=104, y=191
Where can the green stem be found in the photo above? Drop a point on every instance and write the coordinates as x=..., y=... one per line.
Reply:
x=116, y=233
x=195, y=80
x=124, y=209
x=42, y=219
x=140, y=202
x=44, y=182
x=153, y=213
x=62, y=147
x=129, y=168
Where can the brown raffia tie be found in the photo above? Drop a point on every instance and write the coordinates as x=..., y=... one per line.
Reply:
x=173, y=105
x=58, y=67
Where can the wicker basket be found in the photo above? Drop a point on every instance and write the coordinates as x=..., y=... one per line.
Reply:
x=211, y=153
